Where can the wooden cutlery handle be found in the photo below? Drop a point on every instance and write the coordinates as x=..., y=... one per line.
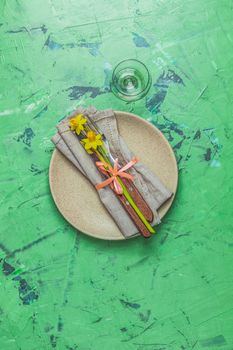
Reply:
x=133, y=215
x=139, y=200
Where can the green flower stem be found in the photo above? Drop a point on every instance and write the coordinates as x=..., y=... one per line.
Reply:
x=134, y=206
x=104, y=158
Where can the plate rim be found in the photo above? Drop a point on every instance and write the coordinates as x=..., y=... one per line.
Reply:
x=126, y=114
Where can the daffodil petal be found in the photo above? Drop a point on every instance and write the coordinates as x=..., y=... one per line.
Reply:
x=88, y=146
x=83, y=121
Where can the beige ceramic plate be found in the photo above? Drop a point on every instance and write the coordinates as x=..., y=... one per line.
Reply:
x=77, y=199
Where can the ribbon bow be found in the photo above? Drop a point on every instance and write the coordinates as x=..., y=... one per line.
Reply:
x=112, y=173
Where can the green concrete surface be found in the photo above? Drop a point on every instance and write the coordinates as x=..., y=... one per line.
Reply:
x=60, y=289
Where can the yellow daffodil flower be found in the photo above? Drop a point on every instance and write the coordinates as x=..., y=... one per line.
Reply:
x=77, y=123
x=92, y=141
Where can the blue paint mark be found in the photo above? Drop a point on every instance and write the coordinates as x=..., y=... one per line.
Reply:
x=207, y=155
x=145, y=317
x=154, y=103
x=26, y=137
x=19, y=30
x=42, y=29
x=53, y=45
x=53, y=341
x=139, y=41
x=162, y=84
x=108, y=75
x=26, y=293
x=35, y=170
x=219, y=340
x=93, y=48
x=129, y=304
x=123, y=329
x=7, y=269
x=78, y=91
x=215, y=146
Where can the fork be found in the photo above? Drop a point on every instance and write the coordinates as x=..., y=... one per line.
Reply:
x=134, y=192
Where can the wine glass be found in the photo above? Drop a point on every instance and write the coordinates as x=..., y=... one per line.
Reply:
x=131, y=80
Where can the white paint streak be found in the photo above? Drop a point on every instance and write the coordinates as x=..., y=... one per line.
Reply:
x=9, y=111
x=215, y=163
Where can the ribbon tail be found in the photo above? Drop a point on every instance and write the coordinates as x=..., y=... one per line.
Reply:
x=104, y=167
x=127, y=176
x=104, y=183
x=117, y=187
x=129, y=165
x=101, y=164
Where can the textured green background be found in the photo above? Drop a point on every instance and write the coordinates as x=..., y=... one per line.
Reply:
x=61, y=289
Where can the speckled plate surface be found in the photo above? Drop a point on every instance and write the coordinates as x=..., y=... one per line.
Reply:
x=80, y=204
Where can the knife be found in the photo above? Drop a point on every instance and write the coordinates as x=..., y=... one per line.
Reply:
x=130, y=186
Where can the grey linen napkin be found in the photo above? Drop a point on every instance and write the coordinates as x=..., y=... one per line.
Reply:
x=149, y=185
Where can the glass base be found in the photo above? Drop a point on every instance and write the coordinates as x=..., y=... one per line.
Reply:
x=130, y=80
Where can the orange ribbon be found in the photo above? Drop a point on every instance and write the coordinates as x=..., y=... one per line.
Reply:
x=112, y=173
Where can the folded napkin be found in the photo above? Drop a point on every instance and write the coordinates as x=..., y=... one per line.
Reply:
x=149, y=185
